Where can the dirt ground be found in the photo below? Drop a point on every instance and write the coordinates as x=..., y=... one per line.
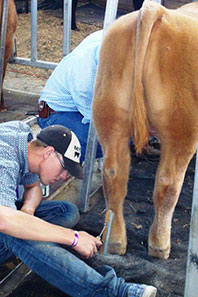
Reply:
x=167, y=275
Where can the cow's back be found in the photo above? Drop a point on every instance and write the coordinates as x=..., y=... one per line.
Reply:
x=190, y=9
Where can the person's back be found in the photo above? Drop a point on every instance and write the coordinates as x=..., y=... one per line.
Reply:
x=70, y=86
x=67, y=96
x=14, y=137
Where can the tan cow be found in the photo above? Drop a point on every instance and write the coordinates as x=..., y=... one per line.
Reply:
x=11, y=28
x=148, y=79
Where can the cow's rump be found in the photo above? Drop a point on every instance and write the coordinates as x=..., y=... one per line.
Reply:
x=147, y=78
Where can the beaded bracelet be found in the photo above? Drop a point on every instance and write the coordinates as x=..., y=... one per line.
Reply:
x=76, y=238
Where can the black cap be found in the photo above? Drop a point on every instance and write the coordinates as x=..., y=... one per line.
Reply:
x=67, y=144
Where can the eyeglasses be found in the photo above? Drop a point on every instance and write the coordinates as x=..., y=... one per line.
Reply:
x=60, y=160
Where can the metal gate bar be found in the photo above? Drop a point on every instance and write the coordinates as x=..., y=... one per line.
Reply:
x=4, y=13
x=191, y=284
x=66, y=38
x=13, y=279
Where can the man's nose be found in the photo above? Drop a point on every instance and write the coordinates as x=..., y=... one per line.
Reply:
x=64, y=174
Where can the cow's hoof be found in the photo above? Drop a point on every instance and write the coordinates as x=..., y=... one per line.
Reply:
x=159, y=253
x=75, y=28
x=116, y=248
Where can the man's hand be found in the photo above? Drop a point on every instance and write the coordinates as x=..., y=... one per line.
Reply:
x=28, y=210
x=87, y=245
x=31, y=198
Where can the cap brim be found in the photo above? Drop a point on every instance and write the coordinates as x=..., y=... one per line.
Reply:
x=73, y=168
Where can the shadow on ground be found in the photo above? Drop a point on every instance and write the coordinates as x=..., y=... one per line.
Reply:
x=18, y=105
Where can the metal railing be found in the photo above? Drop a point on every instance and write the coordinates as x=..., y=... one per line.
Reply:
x=33, y=61
x=66, y=37
x=191, y=283
x=4, y=13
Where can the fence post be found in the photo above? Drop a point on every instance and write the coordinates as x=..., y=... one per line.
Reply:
x=34, y=6
x=4, y=13
x=191, y=284
x=67, y=8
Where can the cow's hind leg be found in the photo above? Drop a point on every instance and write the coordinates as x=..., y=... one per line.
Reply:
x=2, y=103
x=115, y=177
x=8, y=51
x=169, y=179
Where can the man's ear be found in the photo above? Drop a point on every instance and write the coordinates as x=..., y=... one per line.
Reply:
x=48, y=151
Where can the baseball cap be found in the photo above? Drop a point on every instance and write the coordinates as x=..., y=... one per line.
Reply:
x=67, y=144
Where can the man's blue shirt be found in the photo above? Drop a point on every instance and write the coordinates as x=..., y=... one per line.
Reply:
x=71, y=85
x=14, y=171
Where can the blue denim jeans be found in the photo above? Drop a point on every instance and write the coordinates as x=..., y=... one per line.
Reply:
x=59, y=266
x=73, y=121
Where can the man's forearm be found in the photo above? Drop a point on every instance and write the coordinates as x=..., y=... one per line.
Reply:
x=21, y=225
x=24, y=226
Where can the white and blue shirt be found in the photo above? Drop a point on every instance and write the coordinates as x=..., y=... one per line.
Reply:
x=14, y=170
x=71, y=85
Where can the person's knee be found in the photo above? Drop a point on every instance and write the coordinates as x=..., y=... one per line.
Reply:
x=70, y=215
x=62, y=213
x=73, y=211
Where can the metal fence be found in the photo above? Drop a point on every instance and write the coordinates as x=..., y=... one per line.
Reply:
x=66, y=37
x=33, y=61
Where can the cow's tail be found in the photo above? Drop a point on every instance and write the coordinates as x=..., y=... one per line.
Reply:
x=148, y=15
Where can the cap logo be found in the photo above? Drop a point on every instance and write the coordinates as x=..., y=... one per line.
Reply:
x=73, y=151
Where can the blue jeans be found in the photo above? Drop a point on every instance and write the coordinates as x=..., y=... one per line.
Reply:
x=73, y=121
x=59, y=266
